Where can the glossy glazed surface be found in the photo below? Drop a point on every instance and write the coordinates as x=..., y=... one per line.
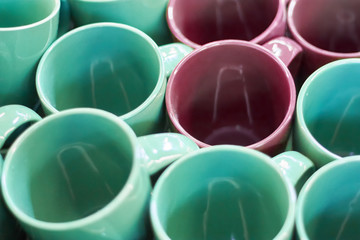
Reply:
x=232, y=92
x=329, y=205
x=327, y=30
x=226, y=192
x=25, y=35
x=90, y=184
x=326, y=125
x=196, y=23
x=148, y=16
x=108, y=66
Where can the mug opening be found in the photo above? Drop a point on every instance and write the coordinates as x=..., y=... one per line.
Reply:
x=321, y=214
x=332, y=26
x=197, y=22
x=15, y=13
x=231, y=201
x=112, y=67
x=328, y=108
x=75, y=176
x=229, y=92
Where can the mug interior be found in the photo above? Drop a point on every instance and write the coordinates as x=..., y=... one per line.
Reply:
x=71, y=173
x=230, y=93
x=204, y=21
x=221, y=194
x=15, y=13
x=325, y=213
x=330, y=25
x=109, y=67
x=330, y=107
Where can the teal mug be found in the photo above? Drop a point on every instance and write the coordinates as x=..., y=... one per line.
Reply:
x=329, y=205
x=148, y=16
x=109, y=66
x=13, y=119
x=228, y=192
x=327, y=113
x=27, y=28
x=83, y=174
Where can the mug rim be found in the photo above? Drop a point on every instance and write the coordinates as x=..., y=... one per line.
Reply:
x=299, y=106
x=304, y=43
x=280, y=16
x=261, y=144
x=94, y=217
x=289, y=220
x=118, y=26
x=54, y=12
x=323, y=171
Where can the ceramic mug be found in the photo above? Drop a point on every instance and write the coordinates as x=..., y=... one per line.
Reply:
x=13, y=120
x=326, y=124
x=27, y=28
x=234, y=92
x=109, y=66
x=83, y=174
x=228, y=192
x=328, y=206
x=196, y=23
x=327, y=30
x=148, y=16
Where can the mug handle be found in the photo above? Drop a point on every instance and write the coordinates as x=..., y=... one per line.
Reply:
x=288, y=51
x=296, y=167
x=172, y=54
x=12, y=117
x=161, y=149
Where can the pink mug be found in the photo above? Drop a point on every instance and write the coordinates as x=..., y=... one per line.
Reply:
x=235, y=92
x=327, y=30
x=197, y=22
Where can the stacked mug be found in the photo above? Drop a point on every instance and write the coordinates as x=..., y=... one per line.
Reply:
x=179, y=119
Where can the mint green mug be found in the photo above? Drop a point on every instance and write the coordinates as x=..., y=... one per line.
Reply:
x=109, y=66
x=83, y=174
x=327, y=113
x=329, y=204
x=13, y=120
x=27, y=28
x=148, y=16
x=228, y=192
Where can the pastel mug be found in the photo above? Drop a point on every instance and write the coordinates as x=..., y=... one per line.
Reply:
x=109, y=66
x=327, y=113
x=228, y=192
x=148, y=16
x=196, y=23
x=235, y=92
x=27, y=28
x=327, y=30
x=83, y=174
x=13, y=120
x=328, y=206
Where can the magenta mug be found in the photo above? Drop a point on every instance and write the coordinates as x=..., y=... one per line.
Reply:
x=235, y=92
x=196, y=23
x=327, y=30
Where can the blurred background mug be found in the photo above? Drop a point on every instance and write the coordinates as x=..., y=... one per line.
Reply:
x=327, y=113
x=327, y=30
x=196, y=23
x=87, y=179
x=148, y=16
x=27, y=28
x=109, y=66
x=14, y=119
x=234, y=92
x=329, y=203
x=228, y=192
